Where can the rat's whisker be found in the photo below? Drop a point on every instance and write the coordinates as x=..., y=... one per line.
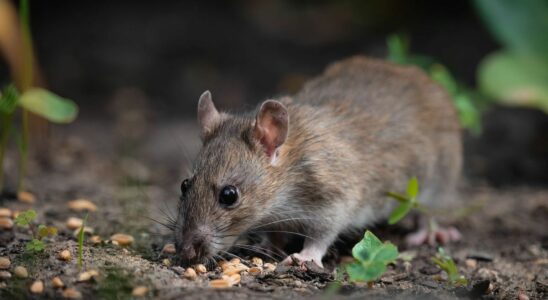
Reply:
x=283, y=231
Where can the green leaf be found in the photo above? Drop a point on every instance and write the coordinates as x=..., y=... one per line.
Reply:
x=35, y=246
x=520, y=25
x=400, y=212
x=398, y=197
x=367, y=247
x=413, y=188
x=81, y=241
x=366, y=271
x=515, y=80
x=44, y=231
x=447, y=264
x=387, y=253
x=8, y=99
x=441, y=75
x=397, y=49
x=48, y=105
x=25, y=218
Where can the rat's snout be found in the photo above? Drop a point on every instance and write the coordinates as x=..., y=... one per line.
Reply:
x=193, y=247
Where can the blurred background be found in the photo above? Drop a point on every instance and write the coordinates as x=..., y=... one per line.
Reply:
x=138, y=68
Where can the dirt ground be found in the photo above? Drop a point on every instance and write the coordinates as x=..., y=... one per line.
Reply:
x=133, y=177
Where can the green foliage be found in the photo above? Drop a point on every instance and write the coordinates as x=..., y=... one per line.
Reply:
x=48, y=105
x=81, y=236
x=45, y=231
x=36, y=100
x=518, y=74
x=25, y=218
x=466, y=102
x=8, y=99
x=407, y=202
x=446, y=263
x=371, y=256
x=35, y=246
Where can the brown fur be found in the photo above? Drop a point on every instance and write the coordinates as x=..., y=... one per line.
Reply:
x=363, y=128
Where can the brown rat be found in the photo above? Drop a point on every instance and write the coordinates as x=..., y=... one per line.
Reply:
x=321, y=162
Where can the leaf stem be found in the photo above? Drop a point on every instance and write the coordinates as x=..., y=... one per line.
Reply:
x=4, y=138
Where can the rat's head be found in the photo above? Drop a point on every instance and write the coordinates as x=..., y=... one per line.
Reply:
x=234, y=177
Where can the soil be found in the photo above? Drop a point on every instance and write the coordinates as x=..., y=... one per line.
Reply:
x=133, y=177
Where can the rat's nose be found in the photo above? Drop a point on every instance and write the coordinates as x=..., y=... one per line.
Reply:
x=192, y=248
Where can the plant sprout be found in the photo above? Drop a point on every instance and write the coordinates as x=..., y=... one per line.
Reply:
x=31, y=100
x=371, y=256
x=446, y=263
x=407, y=202
x=25, y=219
x=81, y=235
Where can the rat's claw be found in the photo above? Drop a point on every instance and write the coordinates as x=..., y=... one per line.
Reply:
x=433, y=236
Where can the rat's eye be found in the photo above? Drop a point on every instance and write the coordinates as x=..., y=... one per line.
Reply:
x=185, y=185
x=228, y=196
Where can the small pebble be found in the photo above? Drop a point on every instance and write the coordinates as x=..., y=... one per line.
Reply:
x=224, y=265
x=487, y=274
x=20, y=272
x=37, y=287
x=65, y=255
x=523, y=296
x=72, y=293
x=166, y=262
x=139, y=291
x=5, y=275
x=268, y=267
x=255, y=271
x=5, y=212
x=200, y=268
x=26, y=197
x=179, y=270
x=6, y=223
x=83, y=277
x=235, y=261
x=257, y=261
x=95, y=240
x=82, y=205
x=234, y=270
x=190, y=274
x=169, y=249
x=74, y=223
x=56, y=282
x=122, y=239
x=471, y=263
x=235, y=279
x=5, y=263
x=220, y=283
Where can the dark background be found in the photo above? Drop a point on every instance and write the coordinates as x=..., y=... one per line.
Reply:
x=163, y=54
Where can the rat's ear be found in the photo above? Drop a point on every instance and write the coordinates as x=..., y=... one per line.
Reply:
x=271, y=126
x=208, y=116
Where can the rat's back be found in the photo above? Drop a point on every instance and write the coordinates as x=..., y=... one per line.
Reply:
x=398, y=121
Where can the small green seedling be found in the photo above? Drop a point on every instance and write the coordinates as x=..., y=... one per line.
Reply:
x=371, y=256
x=446, y=263
x=25, y=219
x=31, y=99
x=407, y=202
x=81, y=235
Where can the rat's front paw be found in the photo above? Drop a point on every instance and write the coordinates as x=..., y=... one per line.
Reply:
x=299, y=259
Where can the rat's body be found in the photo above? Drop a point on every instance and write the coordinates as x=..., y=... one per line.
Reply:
x=322, y=163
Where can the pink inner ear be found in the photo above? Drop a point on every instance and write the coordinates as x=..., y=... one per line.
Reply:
x=271, y=127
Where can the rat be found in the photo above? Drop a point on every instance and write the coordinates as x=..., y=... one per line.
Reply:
x=319, y=163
